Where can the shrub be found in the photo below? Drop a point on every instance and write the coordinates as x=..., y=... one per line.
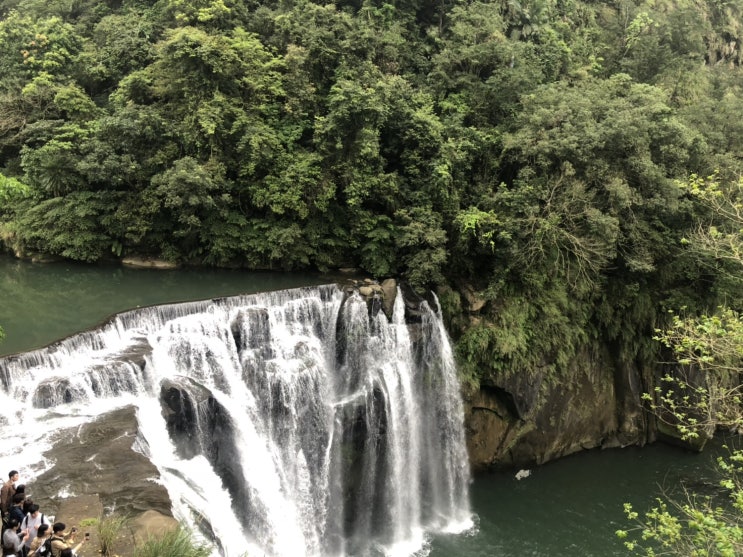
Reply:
x=109, y=529
x=175, y=543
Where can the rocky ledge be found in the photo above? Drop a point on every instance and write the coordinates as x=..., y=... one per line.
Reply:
x=96, y=471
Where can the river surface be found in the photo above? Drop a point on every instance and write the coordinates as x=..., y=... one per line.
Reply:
x=570, y=507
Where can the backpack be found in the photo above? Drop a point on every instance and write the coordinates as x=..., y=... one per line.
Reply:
x=45, y=549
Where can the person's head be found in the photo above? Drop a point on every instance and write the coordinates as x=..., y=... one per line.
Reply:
x=58, y=527
x=33, y=509
x=20, y=488
x=13, y=475
x=19, y=498
x=13, y=523
x=67, y=552
x=43, y=530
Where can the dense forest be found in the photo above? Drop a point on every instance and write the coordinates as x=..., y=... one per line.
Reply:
x=537, y=156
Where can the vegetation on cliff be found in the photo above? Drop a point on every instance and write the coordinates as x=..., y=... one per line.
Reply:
x=533, y=150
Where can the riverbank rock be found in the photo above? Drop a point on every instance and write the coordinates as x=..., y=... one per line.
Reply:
x=146, y=263
x=44, y=258
x=77, y=512
x=473, y=300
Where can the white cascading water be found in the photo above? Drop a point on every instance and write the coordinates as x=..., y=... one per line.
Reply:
x=326, y=428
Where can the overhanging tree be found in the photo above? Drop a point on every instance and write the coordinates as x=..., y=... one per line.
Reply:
x=702, y=392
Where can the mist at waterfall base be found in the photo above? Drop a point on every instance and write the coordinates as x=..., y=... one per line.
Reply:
x=300, y=422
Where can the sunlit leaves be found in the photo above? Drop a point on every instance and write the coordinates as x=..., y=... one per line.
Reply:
x=11, y=189
x=704, y=392
x=700, y=526
x=718, y=238
x=700, y=393
x=190, y=12
x=31, y=45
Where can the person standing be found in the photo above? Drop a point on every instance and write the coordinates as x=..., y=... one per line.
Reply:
x=42, y=534
x=12, y=539
x=27, y=502
x=8, y=491
x=62, y=541
x=16, y=511
x=32, y=522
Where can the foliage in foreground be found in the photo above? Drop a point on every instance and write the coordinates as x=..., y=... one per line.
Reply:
x=704, y=390
x=696, y=527
x=174, y=543
x=109, y=529
x=700, y=393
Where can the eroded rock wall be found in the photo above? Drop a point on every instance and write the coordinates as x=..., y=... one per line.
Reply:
x=528, y=419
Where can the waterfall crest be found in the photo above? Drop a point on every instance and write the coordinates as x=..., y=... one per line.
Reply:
x=307, y=422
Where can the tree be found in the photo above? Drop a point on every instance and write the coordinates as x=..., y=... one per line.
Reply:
x=718, y=239
x=701, y=392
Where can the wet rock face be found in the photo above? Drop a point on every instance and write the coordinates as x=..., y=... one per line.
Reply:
x=98, y=459
x=54, y=392
x=526, y=419
x=198, y=424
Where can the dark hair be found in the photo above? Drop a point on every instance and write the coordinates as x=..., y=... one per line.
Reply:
x=19, y=498
x=43, y=527
x=20, y=488
x=67, y=552
x=12, y=473
x=58, y=527
x=33, y=508
x=13, y=522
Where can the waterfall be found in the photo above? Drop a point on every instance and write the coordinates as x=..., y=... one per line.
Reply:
x=316, y=425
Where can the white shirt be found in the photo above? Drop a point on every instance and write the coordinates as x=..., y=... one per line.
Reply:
x=33, y=526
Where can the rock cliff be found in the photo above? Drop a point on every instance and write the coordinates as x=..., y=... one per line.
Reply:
x=529, y=419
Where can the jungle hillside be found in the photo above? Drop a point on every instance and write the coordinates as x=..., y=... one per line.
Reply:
x=537, y=161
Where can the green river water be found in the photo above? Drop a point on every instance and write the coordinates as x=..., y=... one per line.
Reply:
x=567, y=508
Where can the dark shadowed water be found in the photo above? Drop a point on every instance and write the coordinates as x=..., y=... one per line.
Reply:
x=568, y=508
x=573, y=506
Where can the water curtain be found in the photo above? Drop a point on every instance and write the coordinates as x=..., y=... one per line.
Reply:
x=304, y=422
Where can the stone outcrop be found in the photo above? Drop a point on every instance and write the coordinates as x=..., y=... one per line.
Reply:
x=151, y=524
x=379, y=296
x=529, y=419
x=96, y=470
x=198, y=424
x=98, y=459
